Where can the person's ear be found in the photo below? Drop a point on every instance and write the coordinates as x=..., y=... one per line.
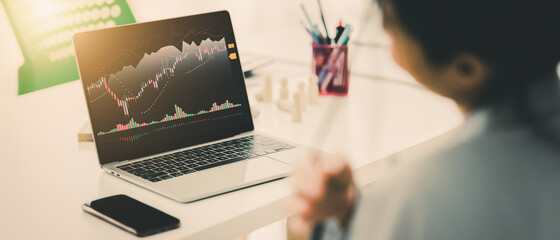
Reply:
x=469, y=72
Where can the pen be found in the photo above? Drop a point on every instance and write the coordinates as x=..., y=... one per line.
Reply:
x=315, y=41
x=314, y=27
x=306, y=15
x=313, y=37
x=303, y=25
x=324, y=24
x=319, y=34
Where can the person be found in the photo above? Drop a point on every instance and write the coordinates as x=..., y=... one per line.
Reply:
x=497, y=176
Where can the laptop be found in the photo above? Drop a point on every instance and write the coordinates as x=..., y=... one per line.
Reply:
x=169, y=108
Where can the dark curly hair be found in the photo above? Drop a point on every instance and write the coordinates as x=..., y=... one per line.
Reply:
x=518, y=40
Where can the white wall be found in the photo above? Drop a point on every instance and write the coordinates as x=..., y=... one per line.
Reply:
x=277, y=23
x=10, y=57
x=262, y=27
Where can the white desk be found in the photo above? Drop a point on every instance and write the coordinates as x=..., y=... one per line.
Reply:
x=47, y=174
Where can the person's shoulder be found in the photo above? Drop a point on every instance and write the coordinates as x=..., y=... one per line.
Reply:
x=484, y=149
x=489, y=181
x=474, y=165
x=502, y=155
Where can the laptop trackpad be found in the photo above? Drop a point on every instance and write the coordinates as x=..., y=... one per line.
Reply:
x=226, y=178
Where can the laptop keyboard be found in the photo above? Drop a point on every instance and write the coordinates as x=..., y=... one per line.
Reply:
x=209, y=156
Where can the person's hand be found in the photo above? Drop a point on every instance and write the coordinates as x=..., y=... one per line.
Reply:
x=325, y=188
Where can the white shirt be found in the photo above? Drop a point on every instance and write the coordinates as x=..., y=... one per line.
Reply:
x=491, y=178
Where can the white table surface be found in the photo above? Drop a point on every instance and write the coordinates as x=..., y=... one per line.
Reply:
x=47, y=174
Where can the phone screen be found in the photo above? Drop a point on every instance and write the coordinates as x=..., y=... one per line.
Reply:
x=132, y=215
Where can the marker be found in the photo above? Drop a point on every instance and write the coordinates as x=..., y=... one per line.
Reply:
x=345, y=36
x=348, y=38
x=339, y=31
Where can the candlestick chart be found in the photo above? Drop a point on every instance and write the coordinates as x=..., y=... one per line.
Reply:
x=182, y=83
x=162, y=85
x=157, y=67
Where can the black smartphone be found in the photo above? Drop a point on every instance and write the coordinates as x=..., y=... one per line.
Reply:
x=131, y=215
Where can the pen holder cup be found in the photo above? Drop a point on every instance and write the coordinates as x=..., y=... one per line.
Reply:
x=330, y=65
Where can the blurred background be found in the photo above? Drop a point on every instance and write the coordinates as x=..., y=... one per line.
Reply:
x=264, y=29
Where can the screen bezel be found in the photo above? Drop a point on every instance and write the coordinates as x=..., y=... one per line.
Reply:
x=237, y=75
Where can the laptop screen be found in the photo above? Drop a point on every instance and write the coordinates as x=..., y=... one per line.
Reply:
x=159, y=86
